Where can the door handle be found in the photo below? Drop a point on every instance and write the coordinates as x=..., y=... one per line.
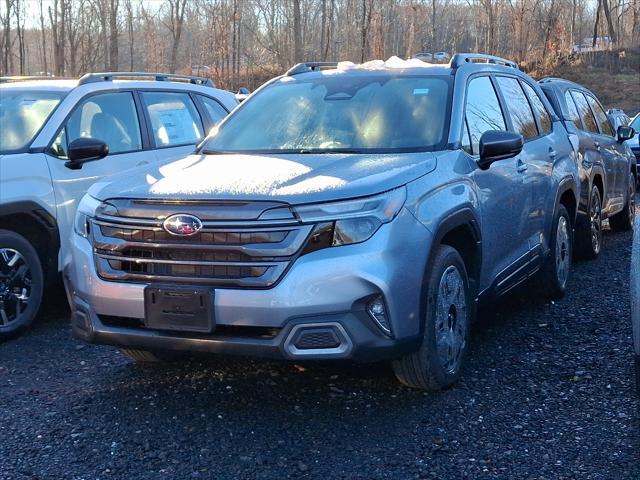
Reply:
x=521, y=167
x=552, y=153
x=597, y=145
x=144, y=162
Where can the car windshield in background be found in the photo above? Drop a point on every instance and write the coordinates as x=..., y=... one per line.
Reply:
x=636, y=124
x=339, y=113
x=22, y=115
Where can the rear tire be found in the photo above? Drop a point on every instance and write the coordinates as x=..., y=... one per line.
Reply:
x=21, y=284
x=589, y=234
x=623, y=221
x=151, y=357
x=447, y=317
x=554, y=275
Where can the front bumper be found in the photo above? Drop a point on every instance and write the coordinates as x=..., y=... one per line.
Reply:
x=323, y=293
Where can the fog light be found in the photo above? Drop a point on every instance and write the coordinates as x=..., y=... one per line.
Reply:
x=378, y=312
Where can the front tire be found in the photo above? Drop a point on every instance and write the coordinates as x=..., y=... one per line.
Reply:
x=589, y=235
x=623, y=221
x=557, y=267
x=21, y=283
x=447, y=317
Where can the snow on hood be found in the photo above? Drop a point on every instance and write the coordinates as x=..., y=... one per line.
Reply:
x=293, y=178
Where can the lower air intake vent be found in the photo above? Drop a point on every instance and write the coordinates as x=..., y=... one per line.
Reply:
x=317, y=338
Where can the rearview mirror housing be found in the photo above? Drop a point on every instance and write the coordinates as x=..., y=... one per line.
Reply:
x=498, y=145
x=83, y=150
x=625, y=133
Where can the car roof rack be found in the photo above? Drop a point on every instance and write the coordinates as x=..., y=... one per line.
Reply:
x=460, y=59
x=158, y=77
x=310, y=67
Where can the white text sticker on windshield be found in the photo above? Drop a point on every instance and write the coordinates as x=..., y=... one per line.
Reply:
x=421, y=91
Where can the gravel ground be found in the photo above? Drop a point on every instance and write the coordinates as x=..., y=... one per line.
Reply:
x=547, y=393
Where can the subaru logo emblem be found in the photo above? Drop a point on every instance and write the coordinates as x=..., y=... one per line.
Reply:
x=182, y=224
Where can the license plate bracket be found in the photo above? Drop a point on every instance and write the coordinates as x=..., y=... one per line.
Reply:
x=185, y=309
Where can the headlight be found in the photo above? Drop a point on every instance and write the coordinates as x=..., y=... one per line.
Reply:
x=86, y=210
x=351, y=221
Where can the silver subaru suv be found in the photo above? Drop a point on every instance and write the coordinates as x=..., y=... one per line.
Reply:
x=342, y=212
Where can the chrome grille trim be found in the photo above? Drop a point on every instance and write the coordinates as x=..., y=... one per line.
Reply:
x=251, y=254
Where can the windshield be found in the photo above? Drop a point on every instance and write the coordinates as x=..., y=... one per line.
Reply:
x=339, y=113
x=22, y=115
x=636, y=123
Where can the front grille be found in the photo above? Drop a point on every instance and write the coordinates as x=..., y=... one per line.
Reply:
x=225, y=253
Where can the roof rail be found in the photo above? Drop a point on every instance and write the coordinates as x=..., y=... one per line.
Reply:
x=158, y=77
x=26, y=78
x=310, y=67
x=460, y=59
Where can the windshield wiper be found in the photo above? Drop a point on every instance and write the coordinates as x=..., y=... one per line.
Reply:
x=328, y=150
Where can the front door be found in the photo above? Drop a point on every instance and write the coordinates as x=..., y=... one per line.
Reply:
x=113, y=117
x=504, y=196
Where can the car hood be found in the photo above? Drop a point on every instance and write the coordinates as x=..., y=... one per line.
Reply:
x=634, y=142
x=291, y=178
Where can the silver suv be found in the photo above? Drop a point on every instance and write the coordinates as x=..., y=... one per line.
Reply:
x=51, y=133
x=342, y=211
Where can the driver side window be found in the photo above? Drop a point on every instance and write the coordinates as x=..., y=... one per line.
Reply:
x=110, y=117
x=482, y=112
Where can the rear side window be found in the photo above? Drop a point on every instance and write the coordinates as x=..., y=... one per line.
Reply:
x=572, y=111
x=538, y=108
x=518, y=106
x=215, y=111
x=482, y=112
x=588, y=121
x=110, y=117
x=601, y=117
x=174, y=118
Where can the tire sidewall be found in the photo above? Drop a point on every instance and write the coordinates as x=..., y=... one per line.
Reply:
x=593, y=253
x=445, y=257
x=561, y=211
x=17, y=242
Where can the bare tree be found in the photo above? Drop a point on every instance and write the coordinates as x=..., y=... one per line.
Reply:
x=177, y=10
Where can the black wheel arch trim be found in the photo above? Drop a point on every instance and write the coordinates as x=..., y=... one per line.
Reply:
x=47, y=223
x=565, y=185
x=464, y=217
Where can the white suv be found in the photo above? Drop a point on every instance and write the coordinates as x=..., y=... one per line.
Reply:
x=51, y=133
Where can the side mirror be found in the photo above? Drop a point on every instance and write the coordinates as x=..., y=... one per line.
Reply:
x=625, y=133
x=83, y=150
x=498, y=145
x=243, y=93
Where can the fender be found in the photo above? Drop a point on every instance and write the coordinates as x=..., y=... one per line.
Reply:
x=567, y=183
x=465, y=216
x=49, y=245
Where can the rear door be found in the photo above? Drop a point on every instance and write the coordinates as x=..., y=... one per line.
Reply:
x=505, y=199
x=175, y=123
x=594, y=149
x=611, y=151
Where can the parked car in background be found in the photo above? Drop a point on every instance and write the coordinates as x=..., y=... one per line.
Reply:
x=51, y=133
x=607, y=167
x=634, y=284
x=365, y=220
x=424, y=56
x=618, y=118
x=634, y=143
x=441, y=56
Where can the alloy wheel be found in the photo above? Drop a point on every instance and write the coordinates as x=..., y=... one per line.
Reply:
x=15, y=285
x=451, y=319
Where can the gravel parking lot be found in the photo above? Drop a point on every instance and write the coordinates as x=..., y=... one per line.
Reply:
x=547, y=393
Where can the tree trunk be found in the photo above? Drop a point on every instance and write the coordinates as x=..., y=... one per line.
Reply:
x=297, y=33
x=43, y=40
x=113, y=35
